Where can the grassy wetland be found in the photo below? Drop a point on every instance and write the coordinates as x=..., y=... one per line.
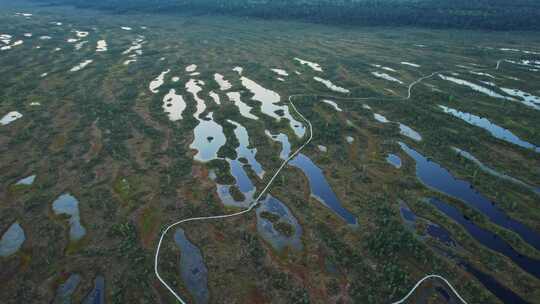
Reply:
x=93, y=122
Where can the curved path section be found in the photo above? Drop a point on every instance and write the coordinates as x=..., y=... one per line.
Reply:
x=284, y=163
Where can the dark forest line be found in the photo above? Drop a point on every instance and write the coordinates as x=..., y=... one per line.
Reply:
x=467, y=14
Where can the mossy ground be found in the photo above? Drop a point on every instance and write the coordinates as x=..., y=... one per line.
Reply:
x=102, y=135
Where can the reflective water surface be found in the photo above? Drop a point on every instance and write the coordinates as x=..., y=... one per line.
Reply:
x=438, y=178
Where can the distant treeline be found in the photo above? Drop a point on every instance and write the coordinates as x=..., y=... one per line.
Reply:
x=483, y=14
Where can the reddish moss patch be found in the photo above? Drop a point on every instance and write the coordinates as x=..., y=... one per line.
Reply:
x=256, y=296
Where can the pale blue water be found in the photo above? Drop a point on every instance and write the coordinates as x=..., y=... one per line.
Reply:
x=12, y=240
x=27, y=180
x=394, y=160
x=68, y=204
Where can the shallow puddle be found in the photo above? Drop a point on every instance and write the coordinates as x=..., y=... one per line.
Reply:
x=285, y=144
x=314, y=66
x=81, y=34
x=332, y=86
x=383, y=67
x=244, y=109
x=158, y=82
x=380, y=118
x=81, y=65
x=192, y=268
x=238, y=70
x=526, y=63
x=414, y=65
x=12, y=240
x=194, y=86
x=69, y=205
x=386, y=77
x=409, y=132
x=215, y=97
x=10, y=46
x=10, y=117
x=27, y=180
x=495, y=130
x=224, y=84
x=209, y=138
x=79, y=45
x=277, y=225
x=5, y=38
x=482, y=74
x=243, y=149
x=475, y=87
x=174, y=105
x=280, y=72
x=243, y=182
x=134, y=50
x=394, y=160
x=269, y=100
x=24, y=15
x=518, y=50
x=191, y=68
x=101, y=46
x=524, y=97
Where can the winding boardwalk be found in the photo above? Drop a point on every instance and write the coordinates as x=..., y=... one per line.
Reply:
x=256, y=202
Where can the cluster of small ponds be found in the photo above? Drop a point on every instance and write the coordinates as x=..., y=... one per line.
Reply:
x=65, y=291
x=14, y=237
x=65, y=205
x=276, y=224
